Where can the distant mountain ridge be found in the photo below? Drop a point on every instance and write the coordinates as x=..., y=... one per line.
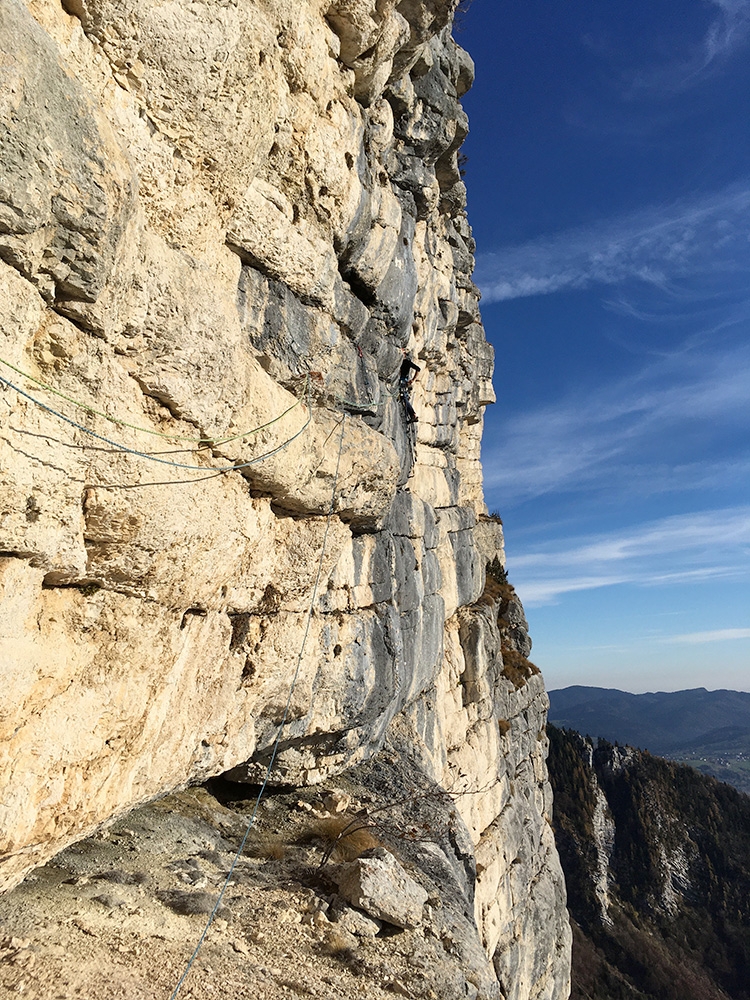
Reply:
x=664, y=722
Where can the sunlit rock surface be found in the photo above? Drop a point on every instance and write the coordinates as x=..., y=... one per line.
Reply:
x=220, y=222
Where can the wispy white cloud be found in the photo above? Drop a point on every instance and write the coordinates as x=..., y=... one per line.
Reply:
x=731, y=29
x=698, y=532
x=685, y=548
x=641, y=100
x=711, y=319
x=536, y=591
x=662, y=429
x=717, y=635
x=727, y=34
x=708, y=236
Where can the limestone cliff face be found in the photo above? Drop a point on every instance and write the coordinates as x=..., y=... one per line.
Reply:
x=220, y=222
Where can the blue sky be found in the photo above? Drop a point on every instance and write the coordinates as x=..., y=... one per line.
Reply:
x=608, y=179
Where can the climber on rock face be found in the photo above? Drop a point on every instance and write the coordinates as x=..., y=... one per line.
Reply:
x=404, y=381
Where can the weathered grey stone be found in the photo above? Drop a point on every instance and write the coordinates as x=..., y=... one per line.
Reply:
x=379, y=885
x=356, y=922
x=409, y=590
x=431, y=572
x=422, y=641
x=406, y=516
x=67, y=189
x=463, y=70
x=280, y=328
x=469, y=566
x=377, y=555
x=514, y=625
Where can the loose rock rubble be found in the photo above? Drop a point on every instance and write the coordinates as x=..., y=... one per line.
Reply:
x=282, y=929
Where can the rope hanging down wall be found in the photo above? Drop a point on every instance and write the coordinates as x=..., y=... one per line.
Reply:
x=282, y=724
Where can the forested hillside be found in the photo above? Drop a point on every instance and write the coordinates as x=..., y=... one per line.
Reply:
x=657, y=863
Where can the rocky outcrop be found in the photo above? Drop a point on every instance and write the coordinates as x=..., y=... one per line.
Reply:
x=219, y=226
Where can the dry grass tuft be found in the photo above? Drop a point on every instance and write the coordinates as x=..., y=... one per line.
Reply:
x=495, y=591
x=267, y=845
x=343, y=837
x=517, y=668
x=339, y=943
x=344, y=947
x=496, y=587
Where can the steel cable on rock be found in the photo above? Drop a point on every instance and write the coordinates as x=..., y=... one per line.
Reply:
x=200, y=442
x=210, y=472
x=155, y=457
x=282, y=723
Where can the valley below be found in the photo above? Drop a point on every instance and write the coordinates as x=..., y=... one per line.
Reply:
x=656, y=859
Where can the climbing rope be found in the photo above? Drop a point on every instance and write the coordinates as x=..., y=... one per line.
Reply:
x=282, y=724
x=149, y=455
x=201, y=442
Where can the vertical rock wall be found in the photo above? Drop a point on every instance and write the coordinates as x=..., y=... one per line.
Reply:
x=220, y=222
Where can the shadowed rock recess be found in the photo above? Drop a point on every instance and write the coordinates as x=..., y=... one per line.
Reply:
x=220, y=222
